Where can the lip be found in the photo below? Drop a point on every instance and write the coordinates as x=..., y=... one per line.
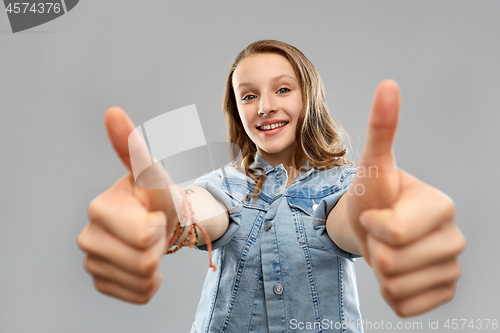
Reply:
x=273, y=131
x=270, y=122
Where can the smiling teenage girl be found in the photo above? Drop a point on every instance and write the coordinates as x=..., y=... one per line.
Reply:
x=288, y=223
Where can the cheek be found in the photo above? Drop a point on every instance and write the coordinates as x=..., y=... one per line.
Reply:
x=244, y=120
x=245, y=127
x=299, y=107
x=295, y=107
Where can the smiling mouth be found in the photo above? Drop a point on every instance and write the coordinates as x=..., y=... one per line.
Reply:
x=271, y=127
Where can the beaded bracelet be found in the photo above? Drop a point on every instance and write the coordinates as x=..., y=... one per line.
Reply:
x=192, y=236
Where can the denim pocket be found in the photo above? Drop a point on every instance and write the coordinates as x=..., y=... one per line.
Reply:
x=303, y=209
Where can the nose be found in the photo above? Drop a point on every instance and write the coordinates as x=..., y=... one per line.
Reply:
x=266, y=104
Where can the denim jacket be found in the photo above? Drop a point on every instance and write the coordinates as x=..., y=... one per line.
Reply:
x=277, y=268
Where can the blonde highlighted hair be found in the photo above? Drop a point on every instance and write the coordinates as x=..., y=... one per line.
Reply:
x=319, y=138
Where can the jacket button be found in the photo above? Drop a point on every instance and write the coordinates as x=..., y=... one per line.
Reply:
x=278, y=289
x=268, y=225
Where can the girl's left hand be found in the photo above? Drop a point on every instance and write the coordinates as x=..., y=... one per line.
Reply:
x=405, y=227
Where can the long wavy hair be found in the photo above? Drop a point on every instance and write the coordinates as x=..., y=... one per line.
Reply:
x=319, y=138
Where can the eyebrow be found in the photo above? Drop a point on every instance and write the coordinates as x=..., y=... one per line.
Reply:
x=277, y=78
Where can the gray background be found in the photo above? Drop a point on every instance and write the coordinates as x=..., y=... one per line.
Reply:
x=57, y=80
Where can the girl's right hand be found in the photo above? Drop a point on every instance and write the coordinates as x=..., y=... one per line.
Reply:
x=126, y=235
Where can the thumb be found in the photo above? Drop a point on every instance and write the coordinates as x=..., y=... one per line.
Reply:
x=118, y=127
x=130, y=146
x=382, y=125
x=151, y=178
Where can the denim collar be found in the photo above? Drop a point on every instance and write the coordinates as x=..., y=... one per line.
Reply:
x=260, y=162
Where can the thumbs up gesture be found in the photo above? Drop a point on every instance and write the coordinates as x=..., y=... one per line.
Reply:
x=127, y=231
x=404, y=227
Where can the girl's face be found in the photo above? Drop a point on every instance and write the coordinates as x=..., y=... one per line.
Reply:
x=268, y=92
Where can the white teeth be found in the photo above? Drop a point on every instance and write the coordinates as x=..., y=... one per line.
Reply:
x=273, y=126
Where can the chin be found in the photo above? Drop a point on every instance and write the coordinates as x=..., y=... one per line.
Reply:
x=273, y=150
